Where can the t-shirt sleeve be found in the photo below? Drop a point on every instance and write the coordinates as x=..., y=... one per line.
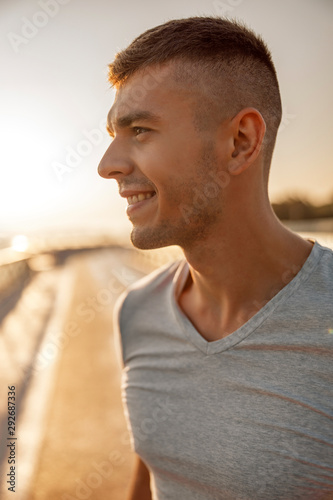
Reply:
x=118, y=344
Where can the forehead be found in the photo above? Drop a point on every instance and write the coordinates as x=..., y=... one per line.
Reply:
x=152, y=90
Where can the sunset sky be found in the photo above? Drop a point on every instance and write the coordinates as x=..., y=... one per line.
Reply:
x=55, y=96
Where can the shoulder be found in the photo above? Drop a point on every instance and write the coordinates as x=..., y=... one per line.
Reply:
x=143, y=290
x=324, y=267
x=142, y=304
x=313, y=297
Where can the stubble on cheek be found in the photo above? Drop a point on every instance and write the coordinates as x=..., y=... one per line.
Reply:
x=168, y=225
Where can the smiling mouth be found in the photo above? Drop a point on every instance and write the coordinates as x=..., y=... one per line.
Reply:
x=132, y=200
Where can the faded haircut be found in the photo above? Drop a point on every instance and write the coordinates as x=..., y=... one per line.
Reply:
x=230, y=62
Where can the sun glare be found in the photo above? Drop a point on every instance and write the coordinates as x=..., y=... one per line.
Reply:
x=25, y=155
x=20, y=243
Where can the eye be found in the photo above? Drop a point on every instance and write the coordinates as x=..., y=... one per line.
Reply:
x=139, y=130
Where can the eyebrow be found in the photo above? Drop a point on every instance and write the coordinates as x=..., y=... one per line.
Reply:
x=127, y=120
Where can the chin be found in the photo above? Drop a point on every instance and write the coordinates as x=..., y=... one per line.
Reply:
x=150, y=239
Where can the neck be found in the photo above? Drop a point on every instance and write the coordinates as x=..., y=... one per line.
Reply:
x=235, y=275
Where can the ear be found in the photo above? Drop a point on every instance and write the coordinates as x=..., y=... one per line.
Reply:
x=249, y=129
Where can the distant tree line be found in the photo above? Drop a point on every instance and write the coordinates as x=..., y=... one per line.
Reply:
x=295, y=208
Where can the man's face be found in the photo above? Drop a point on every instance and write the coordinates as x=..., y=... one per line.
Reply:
x=162, y=162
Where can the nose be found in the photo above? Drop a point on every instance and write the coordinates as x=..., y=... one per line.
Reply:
x=115, y=163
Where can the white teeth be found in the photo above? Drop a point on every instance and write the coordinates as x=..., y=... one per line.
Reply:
x=140, y=197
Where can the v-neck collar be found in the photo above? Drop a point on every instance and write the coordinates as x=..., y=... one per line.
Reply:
x=217, y=346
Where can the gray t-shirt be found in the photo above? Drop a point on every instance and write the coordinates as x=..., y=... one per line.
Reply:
x=246, y=417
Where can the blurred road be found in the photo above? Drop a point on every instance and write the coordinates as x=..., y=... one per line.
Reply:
x=72, y=441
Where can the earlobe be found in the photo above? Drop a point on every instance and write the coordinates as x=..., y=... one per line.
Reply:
x=249, y=130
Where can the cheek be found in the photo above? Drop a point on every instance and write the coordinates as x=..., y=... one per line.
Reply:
x=170, y=161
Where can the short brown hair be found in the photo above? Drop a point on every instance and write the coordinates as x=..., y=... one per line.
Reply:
x=229, y=58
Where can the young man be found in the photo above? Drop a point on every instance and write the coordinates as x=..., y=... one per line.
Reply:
x=226, y=354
